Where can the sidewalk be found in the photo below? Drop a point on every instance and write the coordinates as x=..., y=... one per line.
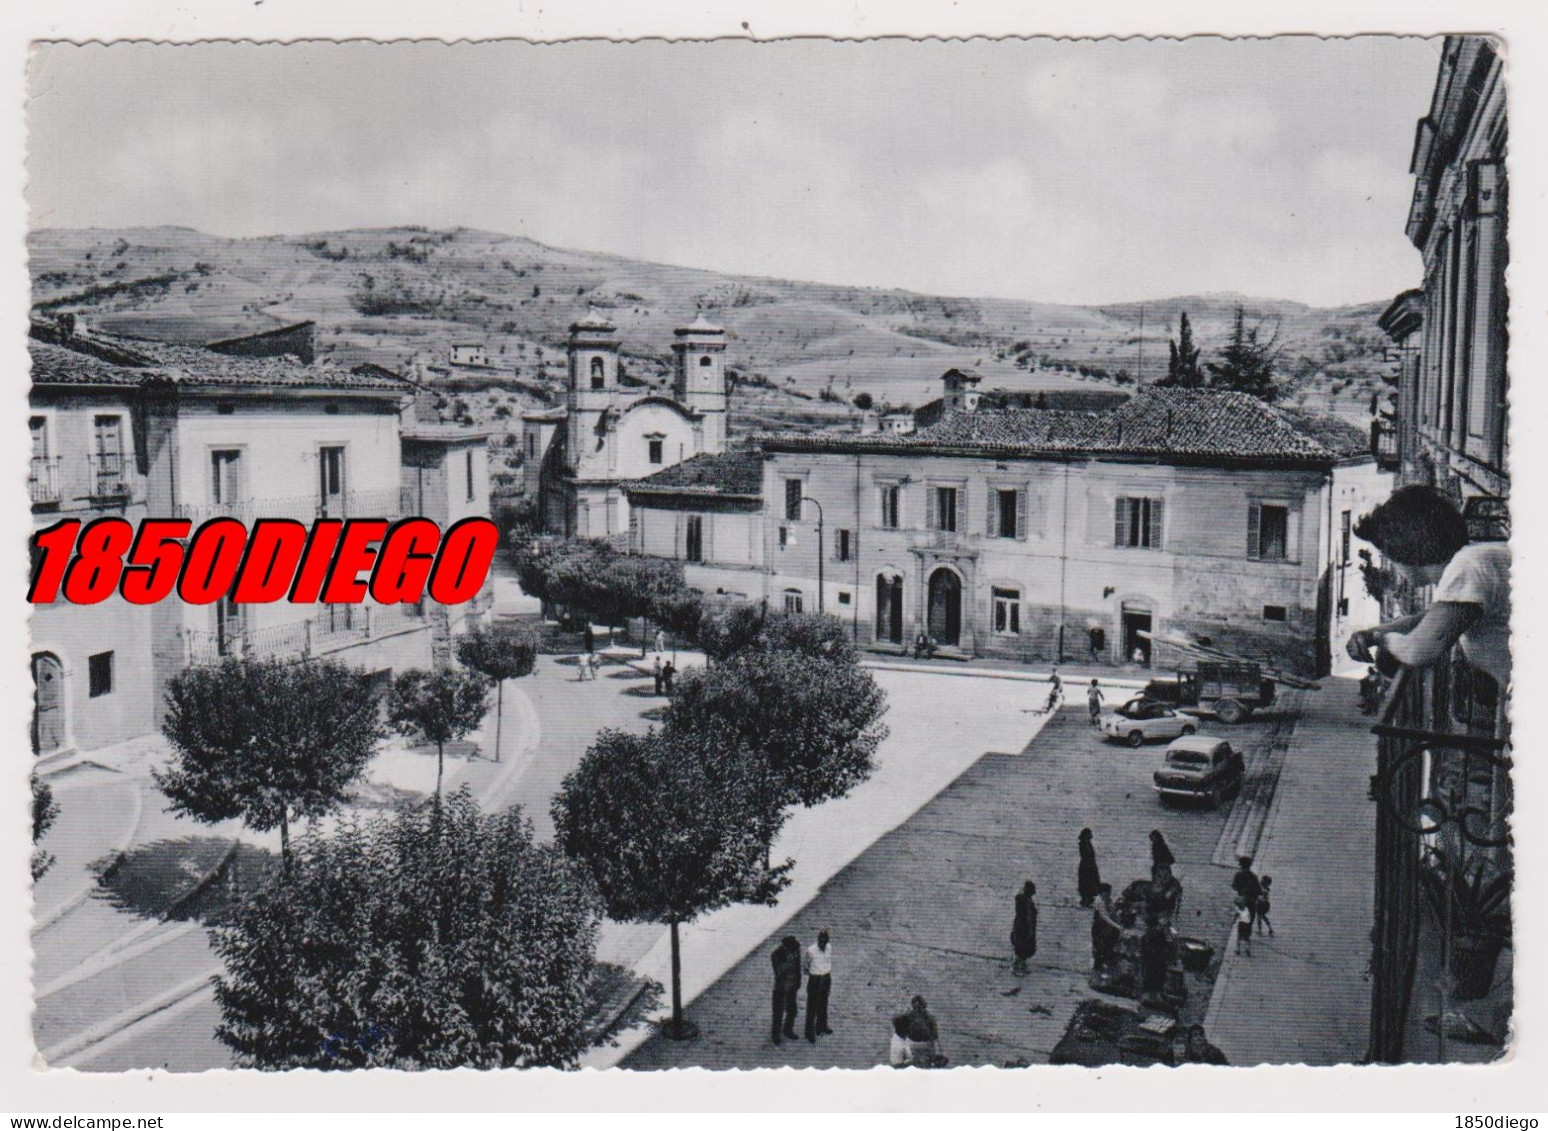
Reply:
x=1302, y=996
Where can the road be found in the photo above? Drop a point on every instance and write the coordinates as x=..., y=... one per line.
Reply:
x=927, y=909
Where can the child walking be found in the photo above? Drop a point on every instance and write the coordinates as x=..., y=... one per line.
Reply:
x=1243, y=926
x=1263, y=906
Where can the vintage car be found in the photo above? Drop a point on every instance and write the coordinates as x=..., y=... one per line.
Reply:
x=1144, y=720
x=1200, y=768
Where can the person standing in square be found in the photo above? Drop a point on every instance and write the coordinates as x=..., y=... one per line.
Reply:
x=819, y=985
x=787, y=984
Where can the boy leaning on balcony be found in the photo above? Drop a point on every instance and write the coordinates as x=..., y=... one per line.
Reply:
x=1424, y=536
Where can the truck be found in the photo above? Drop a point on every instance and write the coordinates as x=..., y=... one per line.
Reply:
x=1228, y=689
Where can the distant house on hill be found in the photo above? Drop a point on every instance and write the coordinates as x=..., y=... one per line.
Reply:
x=471, y=354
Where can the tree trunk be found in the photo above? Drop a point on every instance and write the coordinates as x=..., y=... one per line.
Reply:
x=499, y=713
x=285, y=839
x=440, y=767
x=677, y=983
x=644, y=636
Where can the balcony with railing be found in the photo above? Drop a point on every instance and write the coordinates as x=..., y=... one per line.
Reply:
x=44, y=481
x=108, y=476
x=333, y=628
x=1443, y=795
x=1384, y=444
x=386, y=502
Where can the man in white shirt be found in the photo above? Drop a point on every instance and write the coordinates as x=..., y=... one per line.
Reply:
x=819, y=983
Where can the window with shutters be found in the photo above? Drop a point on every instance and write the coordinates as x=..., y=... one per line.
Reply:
x=1343, y=556
x=943, y=509
x=1007, y=512
x=891, y=506
x=793, y=603
x=693, y=548
x=842, y=547
x=226, y=476
x=1007, y=611
x=794, y=489
x=1137, y=523
x=1268, y=532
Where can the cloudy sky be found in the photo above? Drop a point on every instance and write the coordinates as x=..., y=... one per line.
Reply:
x=1061, y=172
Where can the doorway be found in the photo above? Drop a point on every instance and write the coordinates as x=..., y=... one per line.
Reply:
x=330, y=465
x=48, y=713
x=1136, y=621
x=945, y=608
x=889, y=609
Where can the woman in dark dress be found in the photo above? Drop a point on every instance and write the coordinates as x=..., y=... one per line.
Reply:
x=1105, y=930
x=1087, y=878
x=1024, y=929
x=1160, y=853
x=1156, y=949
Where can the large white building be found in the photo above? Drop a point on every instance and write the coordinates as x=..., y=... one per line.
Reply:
x=140, y=429
x=606, y=435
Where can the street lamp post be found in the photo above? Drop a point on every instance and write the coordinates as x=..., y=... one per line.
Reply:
x=821, y=602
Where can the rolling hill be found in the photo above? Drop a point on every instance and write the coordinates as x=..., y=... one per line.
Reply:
x=799, y=351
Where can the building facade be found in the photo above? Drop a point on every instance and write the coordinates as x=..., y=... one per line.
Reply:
x=1033, y=535
x=152, y=430
x=1442, y=788
x=608, y=435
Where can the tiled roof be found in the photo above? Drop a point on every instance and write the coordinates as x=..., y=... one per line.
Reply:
x=1162, y=424
x=439, y=433
x=82, y=360
x=734, y=473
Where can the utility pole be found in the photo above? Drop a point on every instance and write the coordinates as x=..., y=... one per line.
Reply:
x=821, y=602
x=1139, y=357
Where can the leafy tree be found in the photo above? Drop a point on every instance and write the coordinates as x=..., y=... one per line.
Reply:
x=45, y=811
x=437, y=937
x=439, y=706
x=267, y=741
x=500, y=652
x=751, y=628
x=670, y=828
x=864, y=401
x=1183, y=370
x=1247, y=363
x=810, y=724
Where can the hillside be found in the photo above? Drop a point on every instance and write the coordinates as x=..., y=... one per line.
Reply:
x=799, y=351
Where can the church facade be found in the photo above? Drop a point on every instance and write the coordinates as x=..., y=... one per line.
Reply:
x=579, y=457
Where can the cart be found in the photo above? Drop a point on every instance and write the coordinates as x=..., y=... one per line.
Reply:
x=1224, y=685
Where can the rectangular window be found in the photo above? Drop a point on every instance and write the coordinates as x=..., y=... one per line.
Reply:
x=1007, y=612
x=841, y=545
x=794, y=489
x=784, y=537
x=693, y=549
x=1137, y=523
x=99, y=674
x=1274, y=612
x=655, y=451
x=225, y=476
x=844, y=597
x=471, y=495
x=531, y=445
x=330, y=464
x=891, y=506
x=1268, y=532
x=944, y=509
x=38, y=426
x=1343, y=556
x=793, y=601
x=108, y=454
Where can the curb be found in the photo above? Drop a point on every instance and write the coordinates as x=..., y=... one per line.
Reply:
x=119, y=852
x=116, y=1024
x=990, y=673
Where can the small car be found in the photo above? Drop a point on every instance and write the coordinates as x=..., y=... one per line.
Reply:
x=1144, y=720
x=1200, y=768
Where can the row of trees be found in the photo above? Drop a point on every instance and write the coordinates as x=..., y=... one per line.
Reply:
x=593, y=577
x=1247, y=361
x=681, y=821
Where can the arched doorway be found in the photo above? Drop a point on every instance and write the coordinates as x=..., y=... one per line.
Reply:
x=48, y=706
x=945, y=607
x=889, y=608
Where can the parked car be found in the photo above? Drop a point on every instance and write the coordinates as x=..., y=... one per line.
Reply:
x=1144, y=720
x=1200, y=768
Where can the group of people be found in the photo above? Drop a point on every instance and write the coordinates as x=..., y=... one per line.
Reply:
x=663, y=674
x=790, y=963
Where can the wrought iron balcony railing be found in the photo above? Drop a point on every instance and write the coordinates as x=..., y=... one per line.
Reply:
x=44, y=480
x=334, y=627
x=385, y=502
x=109, y=477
